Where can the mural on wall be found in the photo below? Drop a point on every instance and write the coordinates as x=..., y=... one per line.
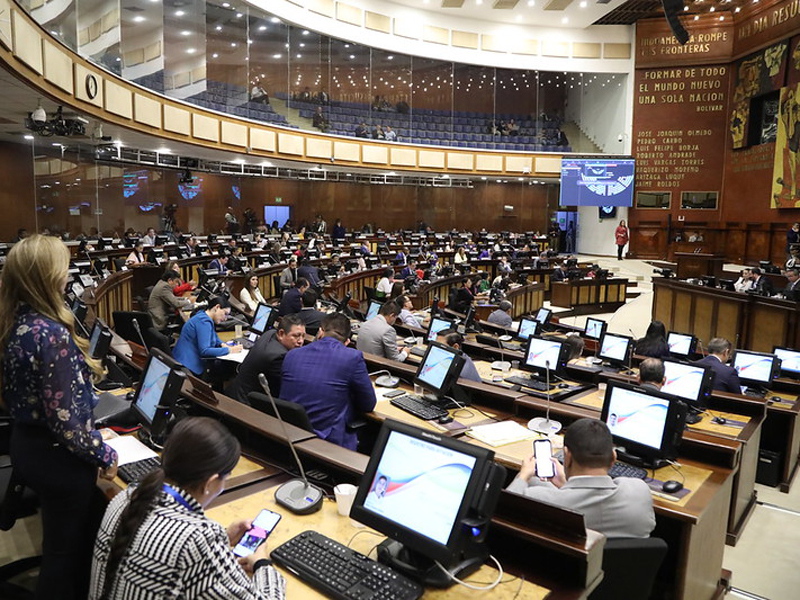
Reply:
x=786, y=170
x=756, y=75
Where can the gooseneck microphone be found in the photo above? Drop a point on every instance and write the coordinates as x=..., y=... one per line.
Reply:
x=296, y=495
x=138, y=329
x=545, y=426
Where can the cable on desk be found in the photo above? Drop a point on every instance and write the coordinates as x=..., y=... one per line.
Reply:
x=358, y=533
x=675, y=466
x=471, y=586
x=519, y=589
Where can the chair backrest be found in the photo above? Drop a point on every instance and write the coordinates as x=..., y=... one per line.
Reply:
x=119, y=263
x=370, y=292
x=276, y=284
x=629, y=568
x=291, y=412
x=123, y=324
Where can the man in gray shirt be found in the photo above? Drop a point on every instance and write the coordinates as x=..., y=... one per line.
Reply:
x=501, y=316
x=377, y=336
x=617, y=508
x=162, y=303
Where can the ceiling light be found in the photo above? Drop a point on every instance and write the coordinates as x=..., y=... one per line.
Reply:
x=191, y=50
x=218, y=27
x=276, y=56
x=583, y=4
x=238, y=15
x=215, y=55
x=262, y=27
x=306, y=32
x=185, y=32
x=179, y=13
x=138, y=18
x=163, y=150
x=565, y=20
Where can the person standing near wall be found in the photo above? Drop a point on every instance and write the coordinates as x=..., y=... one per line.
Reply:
x=621, y=236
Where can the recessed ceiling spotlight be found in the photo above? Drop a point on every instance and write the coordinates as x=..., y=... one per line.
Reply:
x=138, y=19
x=179, y=13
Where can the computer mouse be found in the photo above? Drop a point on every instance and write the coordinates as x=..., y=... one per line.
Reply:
x=130, y=396
x=563, y=385
x=719, y=420
x=671, y=486
x=444, y=420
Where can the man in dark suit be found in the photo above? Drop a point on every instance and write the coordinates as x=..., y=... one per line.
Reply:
x=309, y=315
x=761, y=283
x=309, y=272
x=726, y=379
x=561, y=273
x=339, y=387
x=292, y=302
x=266, y=356
x=792, y=289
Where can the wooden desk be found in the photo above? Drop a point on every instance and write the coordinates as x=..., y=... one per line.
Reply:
x=328, y=522
x=589, y=295
x=698, y=264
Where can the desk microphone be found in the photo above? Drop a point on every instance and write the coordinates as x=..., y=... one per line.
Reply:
x=297, y=494
x=546, y=425
x=702, y=350
x=138, y=329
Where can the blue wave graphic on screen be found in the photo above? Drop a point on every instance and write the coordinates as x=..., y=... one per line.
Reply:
x=451, y=476
x=758, y=366
x=658, y=406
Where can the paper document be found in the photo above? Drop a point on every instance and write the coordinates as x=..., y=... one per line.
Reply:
x=130, y=449
x=504, y=432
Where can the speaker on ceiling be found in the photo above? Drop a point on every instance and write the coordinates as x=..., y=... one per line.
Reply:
x=672, y=9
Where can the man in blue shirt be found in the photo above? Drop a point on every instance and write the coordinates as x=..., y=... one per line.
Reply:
x=330, y=381
x=199, y=340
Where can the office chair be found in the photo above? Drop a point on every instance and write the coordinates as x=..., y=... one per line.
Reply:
x=123, y=326
x=276, y=284
x=119, y=263
x=629, y=568
x=16, y=502
x=291, y=412
x=370, y=292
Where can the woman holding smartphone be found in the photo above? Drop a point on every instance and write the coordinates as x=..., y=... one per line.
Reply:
x=47, y=388
x=156, y=542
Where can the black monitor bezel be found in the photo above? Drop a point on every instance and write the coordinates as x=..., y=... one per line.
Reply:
x=453, y=373
x=444, y=553
x=784, y=372
x=172, y=389
x=692, y=344
x=673, y=425
x=451, y=323
x=536, y=331
x=103, y=341
x=369, y=306
x=603, y=328
x=706, y=386
x=547, y=319
x=270, y=319
x=614, y=361
x=561, y=362
x=774, y=372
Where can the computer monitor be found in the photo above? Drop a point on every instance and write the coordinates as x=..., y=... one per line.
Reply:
x=756, y=368
x=410, y=466
x=691, y=383
x=435, y=307
x=79, y=310
x=99, y=340
x=263, y=318
x=543, y=315
x=469, y=319
x=647, y=425
x=790, y=361
x=372, y=309
x=77, y=289
x=681, y=344
x=158, y=389
x=615, y=349
x=439, y=370
x=436, y=325
x=594, y=328
x=528, y=326
x=542, y=355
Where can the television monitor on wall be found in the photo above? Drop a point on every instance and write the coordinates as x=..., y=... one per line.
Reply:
x=597, y=181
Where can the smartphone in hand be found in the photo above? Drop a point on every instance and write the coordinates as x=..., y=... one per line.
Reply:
x=263, y=525
x=543, y=452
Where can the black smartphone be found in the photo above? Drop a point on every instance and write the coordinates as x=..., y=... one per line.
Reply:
x=543, y=451
x=263, y=525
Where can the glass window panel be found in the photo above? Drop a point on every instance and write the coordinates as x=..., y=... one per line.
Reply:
x=391, y=78
x=142, y=44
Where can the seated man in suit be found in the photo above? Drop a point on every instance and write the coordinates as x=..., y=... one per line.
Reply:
x=163, y=303
x=761, y=283
x=726, y=379
x=309, y=315
x=617, y=508
x=330, y=381
x=792, y=289
x=561, y=273
x=220, y=264
x=292, y=302
x=289, y=275
x=199, y=340
x=266, y=356
x=410, y=270
x=378, y=336
x=309, y=272
x=501, y=316
x=651, y=373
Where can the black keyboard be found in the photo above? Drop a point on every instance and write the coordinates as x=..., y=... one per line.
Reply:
x=418, y=351
x=419, y=407
x=135, y=471
x=534, y=384
x=243, y=342
x=339, y=572
x=620, y=469
x=754, y=393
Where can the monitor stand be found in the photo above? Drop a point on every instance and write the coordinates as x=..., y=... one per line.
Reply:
x=639, y=461
x=694, y=415
x=425, y=570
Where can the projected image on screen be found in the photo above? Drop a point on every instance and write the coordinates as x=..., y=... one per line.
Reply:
x=436, y=366
x=596, y=182
x=153, y=385
x=684, y=381
x=637, y=417
x=410, y=473
x=753, y=367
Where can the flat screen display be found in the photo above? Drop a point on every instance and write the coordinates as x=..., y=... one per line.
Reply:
x=411, y=472
x=543, y=354
x=373, y=309
x=433, y=372
x=261, y=318
x=637, y=417
x=597, y=182
x=684, y=381
x=527, y=327
x=543, y=315
x=790, y=361
x=152, y=388
x=753, y=366
x=614, y=347
x=595, y=328
x=436, y=326
x=680, y=344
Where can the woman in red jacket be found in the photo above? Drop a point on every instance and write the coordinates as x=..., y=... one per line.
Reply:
x=621, y=235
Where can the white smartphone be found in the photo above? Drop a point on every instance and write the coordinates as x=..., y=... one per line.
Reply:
x=543, y=452
x=263, y=525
